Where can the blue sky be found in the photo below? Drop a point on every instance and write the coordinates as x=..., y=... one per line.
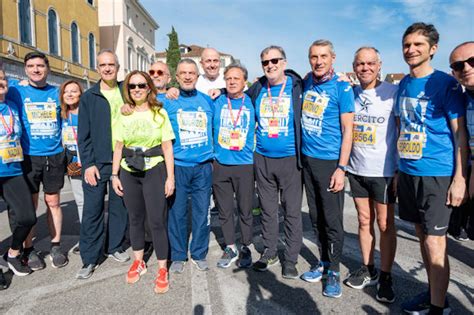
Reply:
x=244, y=28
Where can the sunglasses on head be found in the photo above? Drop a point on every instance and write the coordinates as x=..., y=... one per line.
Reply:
x=273, y=61
x=459, y=65
x=158, y=72
x=141, y=86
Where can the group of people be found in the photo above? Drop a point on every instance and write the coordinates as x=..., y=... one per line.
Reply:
x=155, y=150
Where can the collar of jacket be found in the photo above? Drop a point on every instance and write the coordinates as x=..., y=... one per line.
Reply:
x=185, y=93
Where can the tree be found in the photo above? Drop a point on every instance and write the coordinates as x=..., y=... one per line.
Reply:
x=173, y=55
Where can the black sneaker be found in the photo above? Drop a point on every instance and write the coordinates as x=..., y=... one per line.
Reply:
x=58, y=259
x=76, y=250
x=385, y=290
x=361, y=278
x=245, y=257
x=289, y=270
x=17, y=266
x=462, y=237
x=33, y=258
x=3, y=281
x=265, y=261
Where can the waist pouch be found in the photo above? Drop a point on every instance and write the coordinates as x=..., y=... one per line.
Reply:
x=135, y=158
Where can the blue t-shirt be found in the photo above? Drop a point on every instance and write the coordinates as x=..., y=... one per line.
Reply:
x=234, y=145
x=40, y=117
x=69, y=134
x=10, y=149
x=470, y=120
x=425, y=107
x=323, y=105
x=191, y=119
x=275, y=129
x=161, y=97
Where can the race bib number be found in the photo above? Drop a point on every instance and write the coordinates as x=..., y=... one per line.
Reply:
x=10, y=151
x=314, y=104
x=364, y=134
x=68, y=136
x=235, y=144
x=273, y=128
x=41, y=112
x=192, y=128
x=410, y=145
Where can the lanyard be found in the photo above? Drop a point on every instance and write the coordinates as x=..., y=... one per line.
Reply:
x=10, y=129
x=234, y=122
x=279, y=96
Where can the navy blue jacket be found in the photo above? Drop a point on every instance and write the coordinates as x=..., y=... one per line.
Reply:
x=94, y=134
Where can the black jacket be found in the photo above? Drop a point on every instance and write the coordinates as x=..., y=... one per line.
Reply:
x=297, y=98
x=94, y=134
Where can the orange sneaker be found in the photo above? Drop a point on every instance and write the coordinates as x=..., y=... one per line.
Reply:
x=137, y=269
x=161, y=282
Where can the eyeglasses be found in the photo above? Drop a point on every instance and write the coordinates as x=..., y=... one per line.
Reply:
x=273, y=61
x=459, y=65
x=158, y=72
x=141, y=86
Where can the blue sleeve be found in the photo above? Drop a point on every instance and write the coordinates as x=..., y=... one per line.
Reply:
x=346, y=98
x=454, y=100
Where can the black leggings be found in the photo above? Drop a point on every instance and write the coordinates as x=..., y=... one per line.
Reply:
x=144, y=197
x=21, y=211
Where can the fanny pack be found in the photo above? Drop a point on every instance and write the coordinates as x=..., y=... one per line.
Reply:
x=135, y=157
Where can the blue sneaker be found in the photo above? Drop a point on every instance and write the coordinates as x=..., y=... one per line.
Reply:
x=333, y=285
x=315, y=274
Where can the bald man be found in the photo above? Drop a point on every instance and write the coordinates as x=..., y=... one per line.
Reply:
x=212, y=78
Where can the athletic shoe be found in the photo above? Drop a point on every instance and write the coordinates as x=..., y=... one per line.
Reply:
x=162, y=284
x=3, y=281
x=315, y=274
x=76, y=250
x=333, y=285
x=120, y=256
x=201, y=265
x=420, y=304
x=86, y=271
x=462, y=237
x=385, y=290
x=266, y=261
x=17, y=266
x=245, y=257
x=34, y=260
x=58, y=259
x=177, y=266
x=289, y=270
x=228, y=257
x=137, y=269
x=362, y=278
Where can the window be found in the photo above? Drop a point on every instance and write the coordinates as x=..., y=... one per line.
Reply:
x=91, y=2
x=25, y=21
x=130, y=54
x=75, y=42
x=91, y=51
x=53, y=32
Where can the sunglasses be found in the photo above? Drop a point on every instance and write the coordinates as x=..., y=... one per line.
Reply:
x=158, y=72
x=459, y=65
x=141, y=86
x=273, y=61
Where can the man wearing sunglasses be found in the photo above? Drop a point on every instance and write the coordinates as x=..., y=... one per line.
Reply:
x=277, y=99
x=432, y=147
x=99, y=110
x=211, y=64
x=160, y=74
x=462, y=64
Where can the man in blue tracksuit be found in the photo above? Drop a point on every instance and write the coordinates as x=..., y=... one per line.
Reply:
x=191, y=117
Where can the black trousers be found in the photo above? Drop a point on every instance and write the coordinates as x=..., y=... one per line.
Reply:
x=325, y=209
x=274, y=175
x=227, y=180
x=21, y=212
x=144, y=197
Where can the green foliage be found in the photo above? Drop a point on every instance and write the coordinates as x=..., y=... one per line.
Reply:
x=173, y=56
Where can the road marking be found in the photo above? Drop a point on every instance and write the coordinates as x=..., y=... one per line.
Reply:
x=200, y=299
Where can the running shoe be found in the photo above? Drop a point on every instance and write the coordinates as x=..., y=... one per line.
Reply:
x=137, y=269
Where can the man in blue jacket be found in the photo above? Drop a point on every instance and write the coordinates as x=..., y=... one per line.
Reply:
x=98, y=112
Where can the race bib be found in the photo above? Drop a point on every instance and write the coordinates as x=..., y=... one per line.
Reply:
x=410, y=145
x=314, y=104
x=10, y=151
x=275, y=119
x=235, y=144
x=364, y=134
x=192, y=128
x=41, y=112
x=273, y=128
x=68, y=136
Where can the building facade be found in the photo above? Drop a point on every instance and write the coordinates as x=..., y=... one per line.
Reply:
x=127, y=28
x=194, y=52
x=66, y=31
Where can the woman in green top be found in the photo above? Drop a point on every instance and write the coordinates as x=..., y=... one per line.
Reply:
x=144, y=142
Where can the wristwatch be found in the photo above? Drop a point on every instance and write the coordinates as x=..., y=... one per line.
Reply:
x=342, y=167
x=113, y=176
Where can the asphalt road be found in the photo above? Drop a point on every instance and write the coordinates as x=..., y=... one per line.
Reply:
x=218, y=291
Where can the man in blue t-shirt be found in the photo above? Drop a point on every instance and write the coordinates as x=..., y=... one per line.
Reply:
x=327, y=119
x=461, y=62
x=191, y=118
x=277, y=99
x=234, y=125
x=44, y=160
x=432, y=147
